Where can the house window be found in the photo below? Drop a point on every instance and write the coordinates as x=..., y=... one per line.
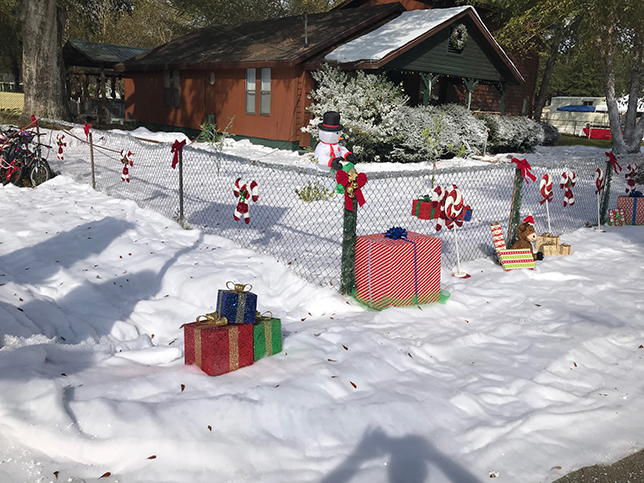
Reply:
x=171, y=88
x=251, y=76
x=265, y=93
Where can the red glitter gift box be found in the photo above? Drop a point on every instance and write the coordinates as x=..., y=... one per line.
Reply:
x=218, y=349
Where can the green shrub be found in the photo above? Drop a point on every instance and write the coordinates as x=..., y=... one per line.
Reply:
x=314, y=191
x=512, y=134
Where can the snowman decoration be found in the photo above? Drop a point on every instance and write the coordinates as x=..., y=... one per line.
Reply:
x=328, y=152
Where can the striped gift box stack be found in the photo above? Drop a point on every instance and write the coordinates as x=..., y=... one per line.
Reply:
x=398, y=272
x=510, y=259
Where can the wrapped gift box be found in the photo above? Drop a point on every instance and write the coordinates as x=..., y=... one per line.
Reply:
x=236, y=305
x=218, y=349
x=633, y=207
x=267, y=337
x=565, y=249
x=425, y=209
x=398, y=272
x=547, y=239
x=516, y=259
x=616, y=217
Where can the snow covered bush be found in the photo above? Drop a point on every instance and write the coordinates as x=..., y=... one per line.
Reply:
x=432, y=132
x=512, y=133
x=551, y=134
x=369, y=106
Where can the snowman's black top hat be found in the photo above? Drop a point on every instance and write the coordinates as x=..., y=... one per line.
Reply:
x=331, y=122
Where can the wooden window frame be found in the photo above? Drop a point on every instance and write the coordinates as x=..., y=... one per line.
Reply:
x=265, y=92
x=251, y=90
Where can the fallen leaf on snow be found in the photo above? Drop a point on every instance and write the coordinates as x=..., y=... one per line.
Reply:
x=345, y=347
x=556, y=468
x=56, y=474
x=183, y=386
x=494, y=474
x=354, y=385
x=153, y=457
x=105, y=475
x=209, y=428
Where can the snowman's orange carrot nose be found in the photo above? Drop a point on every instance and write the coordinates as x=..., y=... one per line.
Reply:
x=340, y=138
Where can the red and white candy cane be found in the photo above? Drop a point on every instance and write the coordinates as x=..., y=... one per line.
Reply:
x=568, y=181
x=630, y=177
x=126, y=159
x=599, y=181
x=246, y=193
x=438, y=195
x=60, y=141
x=545, y=187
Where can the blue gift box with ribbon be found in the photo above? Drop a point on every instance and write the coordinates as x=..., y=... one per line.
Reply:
x=237, y=304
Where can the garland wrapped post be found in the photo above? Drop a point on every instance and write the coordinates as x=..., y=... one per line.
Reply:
x=522, y=173
x=515, y=207
x=91, y=157
x=353, y=182
x=177, y=149
x=611, y=165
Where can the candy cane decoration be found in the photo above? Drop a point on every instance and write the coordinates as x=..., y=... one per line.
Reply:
x=246, y=194
x=568, y=180
x=61, y=144
x=545, y=187
x=438, y=195
x=453, y=208
x=599, y=187
x=126, y=159
x=630, y=177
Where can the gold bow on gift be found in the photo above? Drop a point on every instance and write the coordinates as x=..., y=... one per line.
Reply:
x=239, y=287
x=263, y=317
x=213, y=319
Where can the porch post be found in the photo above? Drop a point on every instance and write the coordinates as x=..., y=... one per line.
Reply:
x=470, y=85
x=429, y=80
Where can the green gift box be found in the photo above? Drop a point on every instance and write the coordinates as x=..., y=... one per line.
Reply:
x=267, y=337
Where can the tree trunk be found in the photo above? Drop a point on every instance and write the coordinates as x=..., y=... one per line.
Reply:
x=633, y=131
x=540, y=101
x=42, y=60
x=607, y=51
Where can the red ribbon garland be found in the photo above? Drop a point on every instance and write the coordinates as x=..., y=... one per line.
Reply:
x=86, y=128
x=177, y=147
x=613, y=160
x=343, y=178
x=525, y=168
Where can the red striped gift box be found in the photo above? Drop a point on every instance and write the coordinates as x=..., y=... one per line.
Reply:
x=398, y=272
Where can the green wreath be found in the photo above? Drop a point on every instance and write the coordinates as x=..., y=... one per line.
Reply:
x=459, y=36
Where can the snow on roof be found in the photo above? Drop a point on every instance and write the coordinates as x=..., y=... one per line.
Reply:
x=394, y=34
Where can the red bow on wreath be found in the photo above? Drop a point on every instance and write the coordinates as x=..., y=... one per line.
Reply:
x=613, y=161
x=352, y=182
x=525, y=168
x=177, y=147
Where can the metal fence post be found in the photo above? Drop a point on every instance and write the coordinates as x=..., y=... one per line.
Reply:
x=91, y=155
x=349, y=239
x=515, y=208
x=181, y=219
x=606, y=199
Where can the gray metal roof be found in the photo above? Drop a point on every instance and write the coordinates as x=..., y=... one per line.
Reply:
x=99, y=53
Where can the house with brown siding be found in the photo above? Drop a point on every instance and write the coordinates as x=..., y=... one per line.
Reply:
x=258, y=73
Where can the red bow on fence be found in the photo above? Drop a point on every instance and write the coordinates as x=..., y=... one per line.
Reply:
x=525, y=168
x=177, y=147
x=86, y=128
x=34, y=119
x=613, y=160
x=352, y=182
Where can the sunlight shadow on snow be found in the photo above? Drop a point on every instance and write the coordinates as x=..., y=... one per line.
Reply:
x=412, y=459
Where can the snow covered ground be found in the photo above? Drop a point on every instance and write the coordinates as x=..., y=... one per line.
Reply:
x=528, y=374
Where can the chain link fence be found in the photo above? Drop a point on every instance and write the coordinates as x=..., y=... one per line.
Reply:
x=307, y=235
x=11, y=101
